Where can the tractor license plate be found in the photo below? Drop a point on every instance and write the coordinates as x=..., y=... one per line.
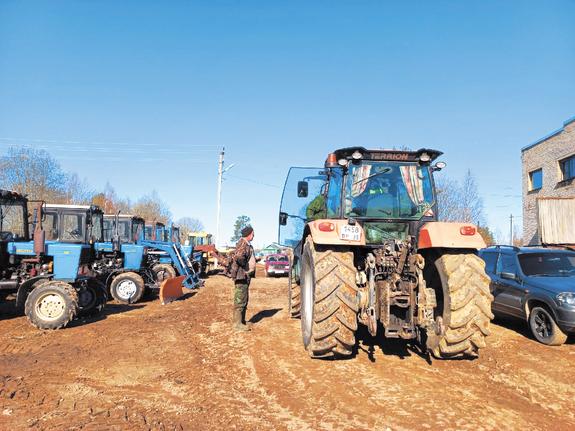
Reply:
x=350, y=233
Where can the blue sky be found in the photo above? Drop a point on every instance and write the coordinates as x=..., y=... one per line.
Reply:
x=143, y=94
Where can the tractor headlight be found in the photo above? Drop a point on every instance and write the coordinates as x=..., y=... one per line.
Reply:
x=356, y=155
x=566, y=298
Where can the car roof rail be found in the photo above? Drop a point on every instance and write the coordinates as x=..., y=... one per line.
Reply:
x=559, y=246
x=500, y=246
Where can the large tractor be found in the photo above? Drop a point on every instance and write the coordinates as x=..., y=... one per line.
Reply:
x=51, y=274
x=367, y=248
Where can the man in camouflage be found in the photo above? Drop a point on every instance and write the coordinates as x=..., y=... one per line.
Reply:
x=242, y=270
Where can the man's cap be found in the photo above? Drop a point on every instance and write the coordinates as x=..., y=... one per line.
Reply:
x=247, y=231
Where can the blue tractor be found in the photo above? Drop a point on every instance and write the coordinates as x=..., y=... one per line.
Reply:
x=51, y=275
x=174, y=260
x=121, y=261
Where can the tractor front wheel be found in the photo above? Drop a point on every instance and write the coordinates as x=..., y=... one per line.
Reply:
x=52, y=305
x=464, y=305
x=127, y=287
x=328, y=301
x=163, y=271
x=92, y=298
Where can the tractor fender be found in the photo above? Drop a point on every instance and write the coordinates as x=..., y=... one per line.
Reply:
x=328, y=232
x=25, y=288
x=450, y=235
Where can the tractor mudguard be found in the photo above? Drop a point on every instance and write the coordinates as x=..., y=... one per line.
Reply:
x=450, y=235
x=329, y=232
x=25, y=288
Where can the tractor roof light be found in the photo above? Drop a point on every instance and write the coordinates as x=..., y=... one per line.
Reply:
x=342, y=162
x=424, y=157
x=356, y=155
x=331, y=161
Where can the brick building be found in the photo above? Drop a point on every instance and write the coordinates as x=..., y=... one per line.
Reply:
x=548, y=171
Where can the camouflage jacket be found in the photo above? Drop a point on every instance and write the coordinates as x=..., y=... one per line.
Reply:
x=241, y=261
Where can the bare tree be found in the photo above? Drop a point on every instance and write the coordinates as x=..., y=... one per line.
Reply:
x=189, y=224
x=78, y=191
x=34, y=173
x=151, y=207
x=459, y=202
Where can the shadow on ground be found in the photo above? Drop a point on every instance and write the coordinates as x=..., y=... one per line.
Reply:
x=264, y=314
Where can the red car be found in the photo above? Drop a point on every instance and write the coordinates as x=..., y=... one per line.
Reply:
x=277, y=264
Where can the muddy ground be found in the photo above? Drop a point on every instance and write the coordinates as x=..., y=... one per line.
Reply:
x=179, y=366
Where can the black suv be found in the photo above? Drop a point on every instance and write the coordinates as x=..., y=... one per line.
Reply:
x=534, y=284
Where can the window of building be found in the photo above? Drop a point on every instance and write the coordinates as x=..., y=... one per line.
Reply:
x=536, y=179
x=567, y=168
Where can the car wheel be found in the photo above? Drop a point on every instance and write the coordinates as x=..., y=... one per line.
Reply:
x=544, y=328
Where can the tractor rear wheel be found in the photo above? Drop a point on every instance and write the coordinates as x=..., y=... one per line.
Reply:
x=466, y=306
x=92, y=299
x=328, y=301
x=294, y=292
x=163, y=271
x=52, y=305
x=127, y=287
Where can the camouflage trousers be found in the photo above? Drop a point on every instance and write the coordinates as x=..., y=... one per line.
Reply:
x=241, y=294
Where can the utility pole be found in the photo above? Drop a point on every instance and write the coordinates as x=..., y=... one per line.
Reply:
x=221, y=172
x=511, y=229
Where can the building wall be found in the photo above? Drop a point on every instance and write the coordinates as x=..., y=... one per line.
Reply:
x=546, y=154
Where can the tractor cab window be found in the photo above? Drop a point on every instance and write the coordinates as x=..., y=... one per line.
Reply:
x=96, y=223
x=303, y=190
x=149, y=232
x=12, y=221
x=137, y=228
x=50, y=225
x=176, y=235
x=108, y=229
x=388, y=190
x=124, y=231
x=72, y=227
x=333, y=201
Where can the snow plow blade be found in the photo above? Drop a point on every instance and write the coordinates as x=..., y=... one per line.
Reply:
x=171, y=289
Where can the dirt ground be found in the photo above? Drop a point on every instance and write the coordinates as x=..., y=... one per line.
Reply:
x=179, y=366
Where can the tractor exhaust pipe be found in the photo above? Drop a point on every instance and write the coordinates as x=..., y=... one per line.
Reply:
x=39, y=233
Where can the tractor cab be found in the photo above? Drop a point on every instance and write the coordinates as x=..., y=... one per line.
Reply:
x=80, y=224
x=13, y=228
x=129, y=228
x=156, y=232
x=387, y=192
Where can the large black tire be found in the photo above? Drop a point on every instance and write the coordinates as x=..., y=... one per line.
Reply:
x=92, y=300
x=163, y=271
x=544, y=328
x=466, y=306
x=294, y=292
x=52, y=305
x=328, y=301
x=127, y=287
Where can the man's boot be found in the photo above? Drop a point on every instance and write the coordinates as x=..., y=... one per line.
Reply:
x=238, y=325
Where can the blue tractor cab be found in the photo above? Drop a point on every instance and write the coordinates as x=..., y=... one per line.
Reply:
x=51, y=275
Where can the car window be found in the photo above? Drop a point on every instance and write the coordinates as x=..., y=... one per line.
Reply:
x=490, y=260
x=283, y=259
x=506, y=263
x=548, y=264
x=271, y=259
